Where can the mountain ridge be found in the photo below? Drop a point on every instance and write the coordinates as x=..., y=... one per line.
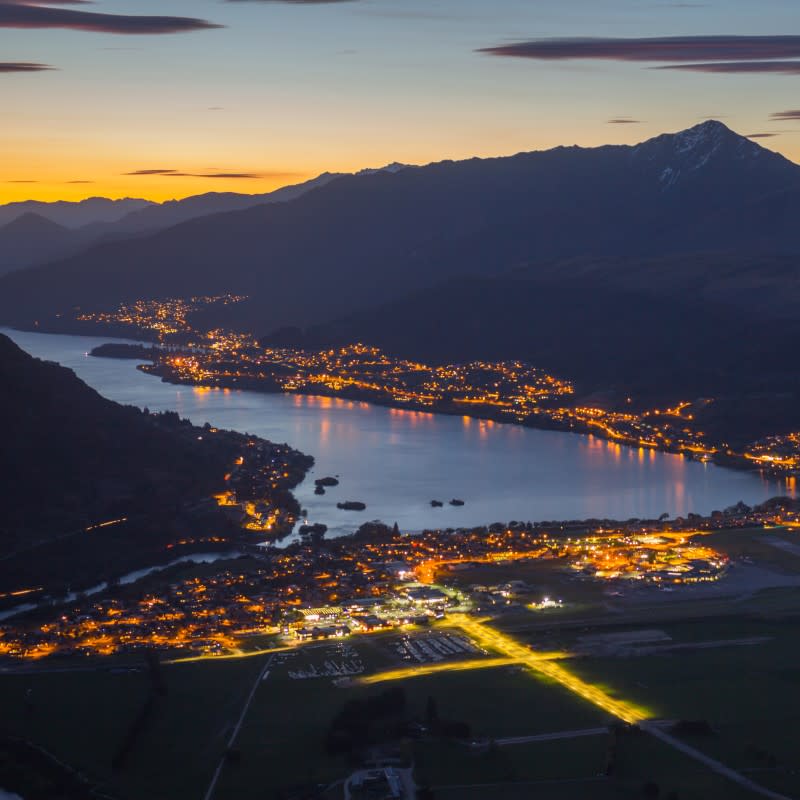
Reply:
x=360, y=240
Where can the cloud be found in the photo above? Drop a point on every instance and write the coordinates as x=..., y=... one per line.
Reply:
x=787, y=116
x=23, y=66
x=229, y=175
x=47, y=2
x=734, y=67
x=761, y=135
x=36, y=15
x=72, y=183
x=174, y=173
x=623, y=121
x=668, y=49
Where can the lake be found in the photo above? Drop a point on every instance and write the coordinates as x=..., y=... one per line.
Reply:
x=398, y=461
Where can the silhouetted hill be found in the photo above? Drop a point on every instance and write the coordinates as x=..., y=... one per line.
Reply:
x=110, y=221
x=71, y=458
x=31, y=239
x=611, y=341
x=158, y=216
x=367, y=239
x=73, y=214
x=752, y=283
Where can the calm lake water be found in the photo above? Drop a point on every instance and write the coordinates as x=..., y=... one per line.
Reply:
x=398, y=461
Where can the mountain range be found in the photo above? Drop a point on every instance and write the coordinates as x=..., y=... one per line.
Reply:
x=604, y=254
x=33, y=232
x=359, y=240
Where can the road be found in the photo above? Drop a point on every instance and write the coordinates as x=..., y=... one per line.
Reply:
x=492, y=639
x=260, y=678
x=655, y=729
x=551, y=737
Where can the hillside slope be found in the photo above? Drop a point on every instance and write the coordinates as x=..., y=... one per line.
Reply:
x=71, y=458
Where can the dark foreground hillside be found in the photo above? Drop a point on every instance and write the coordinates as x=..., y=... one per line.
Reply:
x=72, y=458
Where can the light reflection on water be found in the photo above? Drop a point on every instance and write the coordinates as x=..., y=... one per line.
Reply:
x=397, y=461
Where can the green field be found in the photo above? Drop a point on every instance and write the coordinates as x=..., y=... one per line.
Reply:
x=749, y=694
x=81, y=717
x=572, y=770
x=754, y=544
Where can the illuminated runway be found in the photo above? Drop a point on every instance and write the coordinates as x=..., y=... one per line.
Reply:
x=544, y=664
x=431, y=669
x=232, y=656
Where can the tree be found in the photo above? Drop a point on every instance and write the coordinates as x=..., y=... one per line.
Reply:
x=431, y=711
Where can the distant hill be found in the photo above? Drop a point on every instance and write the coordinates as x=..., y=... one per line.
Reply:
x=32, y=239
x=97, y=220
x=370, y=239
x=614, y=343
x=158, y=216
x=73, y=214
x=71, y=458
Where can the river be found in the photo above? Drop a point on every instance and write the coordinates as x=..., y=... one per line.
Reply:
x=398, y=461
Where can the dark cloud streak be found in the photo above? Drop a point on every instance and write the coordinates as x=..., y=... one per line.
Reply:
x=23, y=66
x=739, y=67
x=174, y=173
x=15, y=15
x=792, y=115
x=666, y=49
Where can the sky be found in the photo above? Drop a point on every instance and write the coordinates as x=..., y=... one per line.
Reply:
x=163, y=99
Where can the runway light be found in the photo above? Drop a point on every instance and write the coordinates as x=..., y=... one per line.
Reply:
x=544, y=664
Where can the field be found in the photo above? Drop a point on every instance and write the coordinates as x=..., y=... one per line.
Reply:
x=728, y=660
x=750, y=695
x=82, y=717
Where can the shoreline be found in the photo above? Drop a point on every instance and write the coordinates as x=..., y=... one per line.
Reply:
x=139, y=352
x=139, y=342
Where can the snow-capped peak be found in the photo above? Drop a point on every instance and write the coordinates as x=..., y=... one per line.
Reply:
x=392, y=168
x=685, y=152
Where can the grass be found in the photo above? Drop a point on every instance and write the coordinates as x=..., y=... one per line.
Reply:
x=753, y=544
x=82, y=718
x=570, y=769
x=750, y=695
x=282, y=740
x=442, y=764
x=548, y=577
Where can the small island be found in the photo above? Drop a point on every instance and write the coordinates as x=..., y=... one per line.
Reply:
x=455, y=502
x=436, y=503
x=351, y=505
x=136, y=352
